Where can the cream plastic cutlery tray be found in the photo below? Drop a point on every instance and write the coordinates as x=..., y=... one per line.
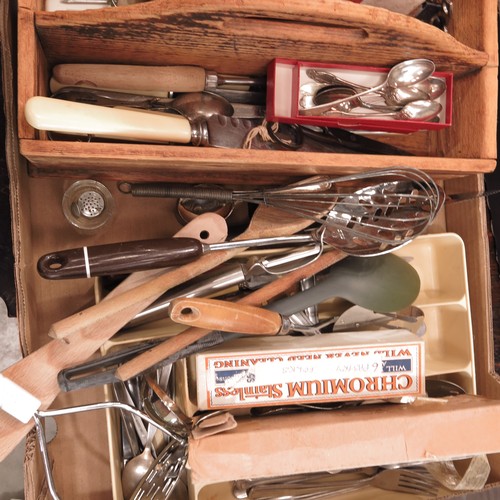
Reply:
x=444, y=298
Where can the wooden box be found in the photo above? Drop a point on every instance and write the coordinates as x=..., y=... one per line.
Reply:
x=235, y=36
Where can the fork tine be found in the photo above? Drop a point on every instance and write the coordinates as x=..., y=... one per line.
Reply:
x=415, y=482
x=418, y=482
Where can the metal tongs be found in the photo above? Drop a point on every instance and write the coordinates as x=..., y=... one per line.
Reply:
x=112, y=98
x=174, y=453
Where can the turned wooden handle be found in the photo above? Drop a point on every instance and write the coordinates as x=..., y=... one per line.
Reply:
x=56, y=86
x=118, y=258
x=133, y=78
x=226, y=316
x=76, y=118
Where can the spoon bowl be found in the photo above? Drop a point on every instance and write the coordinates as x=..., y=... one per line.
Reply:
x=419, y=110
x=197, y=105
x=136, y=468
x=434, y=87
x=409, y=73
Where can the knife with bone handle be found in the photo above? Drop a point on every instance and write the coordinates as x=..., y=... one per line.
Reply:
x=136, y=125
x=76, y=118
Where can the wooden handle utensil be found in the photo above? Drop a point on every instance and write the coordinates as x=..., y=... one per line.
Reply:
x=226, y=316
x=158, y=79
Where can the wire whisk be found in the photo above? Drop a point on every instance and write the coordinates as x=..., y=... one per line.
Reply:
x=364, y=214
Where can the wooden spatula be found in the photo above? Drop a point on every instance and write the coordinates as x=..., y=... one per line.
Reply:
x=87, y=330
x=37, y=372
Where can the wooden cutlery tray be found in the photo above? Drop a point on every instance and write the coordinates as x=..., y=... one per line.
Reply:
x=243, y=37
x=235, y=36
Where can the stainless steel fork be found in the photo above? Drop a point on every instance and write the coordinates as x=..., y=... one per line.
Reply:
x=415, y=481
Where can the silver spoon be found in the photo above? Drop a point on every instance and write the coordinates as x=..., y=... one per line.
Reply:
x=330, y=94
x=401, y=76
x=431, y=88
x=417, y=110
x=136, y=468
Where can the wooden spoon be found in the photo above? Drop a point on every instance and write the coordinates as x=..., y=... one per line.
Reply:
x=87, y=330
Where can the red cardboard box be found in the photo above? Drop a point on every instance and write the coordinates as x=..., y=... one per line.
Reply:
x=286, y=76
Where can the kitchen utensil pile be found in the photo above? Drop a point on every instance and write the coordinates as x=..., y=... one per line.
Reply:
x=366, y=214
x=300, y=253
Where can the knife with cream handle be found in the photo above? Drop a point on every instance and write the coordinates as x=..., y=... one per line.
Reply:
x=75, y=118
x=67, y=117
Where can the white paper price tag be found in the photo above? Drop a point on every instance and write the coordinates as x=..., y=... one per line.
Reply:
x=17, y=401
